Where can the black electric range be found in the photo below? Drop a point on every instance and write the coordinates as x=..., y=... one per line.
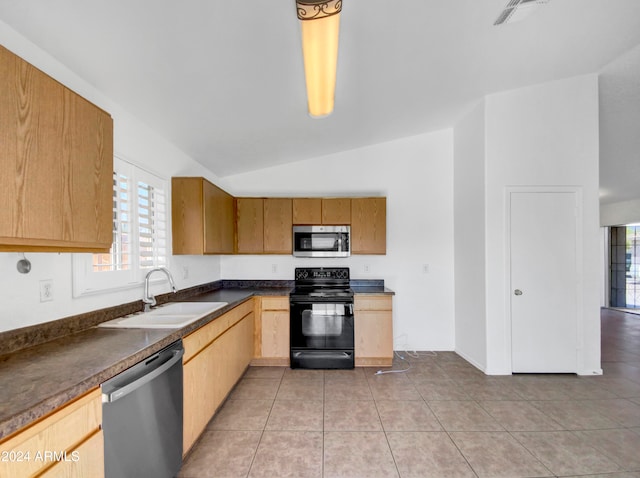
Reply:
x=321, y=319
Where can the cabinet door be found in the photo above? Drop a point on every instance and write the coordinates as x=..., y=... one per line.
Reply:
x=250, y=222
x=271, y=343
x=373, y=330
x=85, y=460
x=61, y=431
x=210, y=375
x=56, y=155
x=186, y=215
x=275, y=334
x=336, y=211
x=234, y=350
x=198, y=395
x=307, y=211
x=369, y=225
x=277, y=226
x=218, y=220
x=88, y=193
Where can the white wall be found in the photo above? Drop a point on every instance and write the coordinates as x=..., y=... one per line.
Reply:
x=544, y=135
x=469, y=227
x=19, y=294
x=416, y=176
x=620, y=213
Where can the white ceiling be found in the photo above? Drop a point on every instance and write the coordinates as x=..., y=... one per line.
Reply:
x=224, y=80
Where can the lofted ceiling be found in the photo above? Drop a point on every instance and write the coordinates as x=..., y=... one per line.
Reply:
x=224, y=80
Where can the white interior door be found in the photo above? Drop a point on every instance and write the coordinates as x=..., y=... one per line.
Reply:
x=543, y=282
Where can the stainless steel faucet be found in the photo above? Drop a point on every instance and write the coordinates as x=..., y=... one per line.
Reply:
x=148, y=299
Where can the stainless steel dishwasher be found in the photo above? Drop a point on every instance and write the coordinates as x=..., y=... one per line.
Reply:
x=142, y=417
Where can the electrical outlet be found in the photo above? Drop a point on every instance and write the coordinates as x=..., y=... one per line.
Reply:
x=274, y=268
x=46, y=290
x=366, y=268
x=185, y=272
x=425, y=268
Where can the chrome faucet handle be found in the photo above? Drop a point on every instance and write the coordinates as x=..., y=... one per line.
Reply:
x=150, y=300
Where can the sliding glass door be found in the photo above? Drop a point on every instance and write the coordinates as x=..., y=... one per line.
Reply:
x=625, y=266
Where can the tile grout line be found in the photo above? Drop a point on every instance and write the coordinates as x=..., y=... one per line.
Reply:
x=264, y=427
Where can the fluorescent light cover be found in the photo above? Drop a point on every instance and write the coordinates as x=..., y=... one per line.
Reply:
x=320, y=32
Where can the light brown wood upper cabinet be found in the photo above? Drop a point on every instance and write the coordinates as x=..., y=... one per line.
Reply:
x=316, y=211
x=202, y=217
x=264, y=225
x=207, y=220
x=250, y=225
x=336, y=211
x=278, y=230
x=369, y=225
x=56, y=157
x=307, y=211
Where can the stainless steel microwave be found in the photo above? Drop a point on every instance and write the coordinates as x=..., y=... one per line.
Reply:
x=321, y=241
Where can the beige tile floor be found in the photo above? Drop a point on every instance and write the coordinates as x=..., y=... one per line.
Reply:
x=442, y=418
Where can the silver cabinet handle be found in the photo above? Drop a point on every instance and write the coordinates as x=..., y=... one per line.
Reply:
x=517, y=292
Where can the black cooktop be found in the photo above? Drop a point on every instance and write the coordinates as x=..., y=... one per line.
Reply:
x=322, y=283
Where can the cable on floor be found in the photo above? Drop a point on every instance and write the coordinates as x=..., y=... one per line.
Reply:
x=397, y=354
x=415, y=354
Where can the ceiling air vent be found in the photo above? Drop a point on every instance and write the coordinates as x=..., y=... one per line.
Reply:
x=516, y=10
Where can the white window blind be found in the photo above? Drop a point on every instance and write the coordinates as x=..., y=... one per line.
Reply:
x=119, y=257
x=151, y=199
x=140, y=231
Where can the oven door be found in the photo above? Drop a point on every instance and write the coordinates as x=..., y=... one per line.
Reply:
x=321, y=335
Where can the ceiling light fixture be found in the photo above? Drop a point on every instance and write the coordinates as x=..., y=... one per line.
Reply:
x=517, y=10
x=320, y=22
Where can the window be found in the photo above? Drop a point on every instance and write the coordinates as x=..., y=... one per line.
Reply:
x=139, y=234
x=624, y=262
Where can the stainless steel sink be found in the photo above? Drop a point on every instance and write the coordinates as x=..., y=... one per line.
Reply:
x=168, y=316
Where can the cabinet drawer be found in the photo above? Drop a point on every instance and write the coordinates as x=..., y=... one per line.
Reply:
x=61, y=431
x=85, y=460
x=372, y=302
x=199, y=339
x=275, y=303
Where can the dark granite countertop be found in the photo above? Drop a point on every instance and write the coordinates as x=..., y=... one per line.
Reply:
x=360, y=289
x=38, y=379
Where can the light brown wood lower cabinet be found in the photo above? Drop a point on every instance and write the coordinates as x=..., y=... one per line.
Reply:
x=272, y=331
x=373, y=330
x=67, y=443
x=90, y=460
x=216, y=356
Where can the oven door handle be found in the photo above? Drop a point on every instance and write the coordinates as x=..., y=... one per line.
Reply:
x=311, y=301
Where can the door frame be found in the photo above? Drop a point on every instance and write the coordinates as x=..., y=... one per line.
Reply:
x=577, y=192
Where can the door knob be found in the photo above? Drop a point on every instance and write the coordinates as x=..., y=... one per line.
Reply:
x=517, y=292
